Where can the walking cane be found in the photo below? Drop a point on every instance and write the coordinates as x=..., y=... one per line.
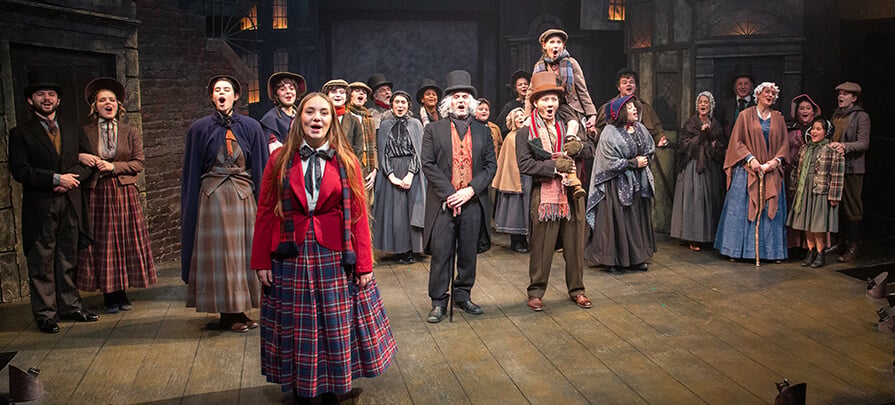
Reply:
x=758, y=215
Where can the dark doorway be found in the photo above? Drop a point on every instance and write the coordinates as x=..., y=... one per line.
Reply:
x=74, y=69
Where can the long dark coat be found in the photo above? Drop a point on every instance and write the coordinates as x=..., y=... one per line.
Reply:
x=437, y=160
x=33, y=161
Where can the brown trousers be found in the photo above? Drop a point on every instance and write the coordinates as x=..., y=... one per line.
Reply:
x=544, y=236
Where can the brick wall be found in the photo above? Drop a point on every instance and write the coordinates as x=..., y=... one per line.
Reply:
x=176, y=60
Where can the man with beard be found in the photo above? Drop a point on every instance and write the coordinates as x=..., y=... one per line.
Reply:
x=285, y=89
x=852, y=138
x=337, y=91
x=458, y=162
x=729, y=109
x=544, y=152
x=45, y=160
x=382, y=93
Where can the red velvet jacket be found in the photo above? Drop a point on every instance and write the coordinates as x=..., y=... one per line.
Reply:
x=327, y=217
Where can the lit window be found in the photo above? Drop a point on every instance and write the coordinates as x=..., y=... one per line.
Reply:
x=616, y=10
x=280, y=20
x=251, y=61
x=250, y=22
x=281, y=61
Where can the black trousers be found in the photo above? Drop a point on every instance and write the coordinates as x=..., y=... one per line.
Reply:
x=454, y=239
x=53, y=263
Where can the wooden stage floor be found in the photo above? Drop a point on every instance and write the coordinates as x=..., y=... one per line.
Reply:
x=693, y=329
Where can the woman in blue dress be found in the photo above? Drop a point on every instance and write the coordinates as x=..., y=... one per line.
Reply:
x=756, y=153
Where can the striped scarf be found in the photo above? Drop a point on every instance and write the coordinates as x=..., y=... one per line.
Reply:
x=288, y=248
x=567, y=77
x=368, y=160
x=554, y=203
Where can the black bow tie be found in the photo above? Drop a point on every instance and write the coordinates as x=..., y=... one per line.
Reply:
x=314, y=175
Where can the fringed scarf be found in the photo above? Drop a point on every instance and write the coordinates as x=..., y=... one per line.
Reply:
x=566, y=76
x=368, y=157
x=554, y=203
x=288, y=248
x=812, y=150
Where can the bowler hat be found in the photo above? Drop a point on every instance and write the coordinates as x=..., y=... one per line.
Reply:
x=274, y=79
x=626, y=71
x=742, y=70
x=214, y=79
x=425, y=85
x=516, y=75
x=543, y=82
x=103, y=83
x=333, y=84
x=360, y=85
x=551, y=32
x=850, y=87
x=459, y=80
x=42, y=79
x=378, y=80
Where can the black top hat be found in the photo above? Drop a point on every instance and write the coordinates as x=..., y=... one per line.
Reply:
x=425, y=85
x=378, y=80
x=42, y=79
x=103, y=83
x=275, y=78
x=459, y=80
x=214, y=79
x=516, y=75
x=742, y=70
x=626, y=71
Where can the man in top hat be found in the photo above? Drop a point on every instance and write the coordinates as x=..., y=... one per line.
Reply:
x=428, y=96
x=626, y=81
x=54, y=225
x=382, y=93
x=337, y=91
x=727, y=111
x=543, y=152
x=458, y=162
x=284, y=89
x=519, y=81
x=852, y=138
x=358, y=93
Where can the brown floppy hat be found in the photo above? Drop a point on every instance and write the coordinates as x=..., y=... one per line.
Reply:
x=103, y=83
x=276, y=77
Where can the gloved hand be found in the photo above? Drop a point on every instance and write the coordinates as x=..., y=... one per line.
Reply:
x=565, y=165
x=572, y=147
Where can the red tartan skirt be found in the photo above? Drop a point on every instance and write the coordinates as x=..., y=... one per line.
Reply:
x=120, y=256
x=318, y=330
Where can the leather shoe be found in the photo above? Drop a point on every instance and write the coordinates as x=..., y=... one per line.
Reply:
x=535, y=304
x=469, y=306
x=238, y=327
x=81, y=316
x=436, y=314
x=251, y=324
x=47, y=326
x=582, y=301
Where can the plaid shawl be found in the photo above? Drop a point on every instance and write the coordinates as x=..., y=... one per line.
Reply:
x=288, y=248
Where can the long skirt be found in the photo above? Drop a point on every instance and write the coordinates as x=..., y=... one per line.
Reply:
x=120, y=256
x=318, y=329
x=392, y=212
x=736, y=233
x=511, y=210
x=698, y=198
x=220, y=279
x=622, y=236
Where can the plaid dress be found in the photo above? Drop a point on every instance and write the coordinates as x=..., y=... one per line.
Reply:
x=319, y=330
x=120, y=256
x=220, y=279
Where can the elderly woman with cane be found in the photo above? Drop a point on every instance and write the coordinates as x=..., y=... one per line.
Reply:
x=754, y=213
